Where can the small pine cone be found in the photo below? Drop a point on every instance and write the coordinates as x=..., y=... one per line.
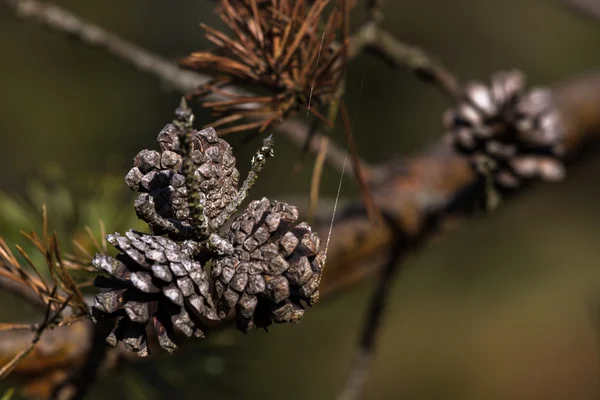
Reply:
x=514, y=134
x=158, y=176
x=276, y=265
x=153, y=279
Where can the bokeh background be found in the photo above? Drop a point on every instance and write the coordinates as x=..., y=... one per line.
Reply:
x=505, y=307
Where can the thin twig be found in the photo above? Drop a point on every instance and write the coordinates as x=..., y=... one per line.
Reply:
x=371, y=37
x=374, y=10
x=354, y=385
x=590, y=8
x=361, y=178
x=7, y=326
x=257, y=164
x=81, y=380
x=184, y=123
x=184, y=81
x=48, y=321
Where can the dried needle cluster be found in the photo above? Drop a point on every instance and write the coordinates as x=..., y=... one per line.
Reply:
x=509, y=133
x=285, y=47
x=185, y=275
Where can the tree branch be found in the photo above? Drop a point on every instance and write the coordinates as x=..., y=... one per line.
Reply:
x=353, y=388
x=371, y=37
x=590, y=8
x=373, y=8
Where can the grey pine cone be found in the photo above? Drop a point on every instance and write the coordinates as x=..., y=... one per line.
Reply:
x=153, y=280
x=514, y=134
x=276, y=267
x=159, y=178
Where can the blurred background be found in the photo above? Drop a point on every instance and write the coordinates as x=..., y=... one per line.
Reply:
x=505, y=307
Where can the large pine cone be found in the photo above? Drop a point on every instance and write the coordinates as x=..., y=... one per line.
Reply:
x=513, y=134
x=158, y=176
x=276, y=266
x=153, y=278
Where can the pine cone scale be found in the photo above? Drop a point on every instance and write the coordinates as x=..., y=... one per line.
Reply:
x=161, y=184
x=155, y=280
x=276, y=265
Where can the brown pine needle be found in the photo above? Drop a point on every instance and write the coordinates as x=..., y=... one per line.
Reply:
x=92, y=237
x=20, y=356
x=240, y=128
x=7, y=326
x=367, y=197
x=39, y=282
x=275, y=46
x=82, y=250
x=48, y=321
x=321, y=117
x=103, y=240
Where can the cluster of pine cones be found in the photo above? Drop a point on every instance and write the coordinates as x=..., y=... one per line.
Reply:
x=268, y=265
x=510, y=134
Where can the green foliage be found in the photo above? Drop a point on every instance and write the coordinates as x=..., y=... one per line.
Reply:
x=8, y=394
x=79, y=212
x=72, y=206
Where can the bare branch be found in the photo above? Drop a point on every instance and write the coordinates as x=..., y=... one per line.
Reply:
x=371, y=37
x=373, y=8
x=361, y=178
x=97, y=360
x=50, y=361
x=354, y=385
x=49, y=320
x=63, y=21
x=590, y=8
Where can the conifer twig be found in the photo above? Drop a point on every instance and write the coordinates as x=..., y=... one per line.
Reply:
x=354, y=385
x=184, y=124
x=362, y=178
x=49, y=320
x=372, y=38
x=258, y=163
x=590, y=8
x=374, y=10
x=62, y=21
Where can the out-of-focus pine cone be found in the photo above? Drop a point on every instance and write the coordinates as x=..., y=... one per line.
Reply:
x=158, y=176
x=277, y=265
x=153, y=279
x=514, y=134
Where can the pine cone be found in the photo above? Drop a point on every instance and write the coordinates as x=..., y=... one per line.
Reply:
x=153, y=278
x=158, y=176
x=515, y=135
x=276, y=265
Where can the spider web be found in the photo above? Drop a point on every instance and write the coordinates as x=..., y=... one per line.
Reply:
x=342, y=174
